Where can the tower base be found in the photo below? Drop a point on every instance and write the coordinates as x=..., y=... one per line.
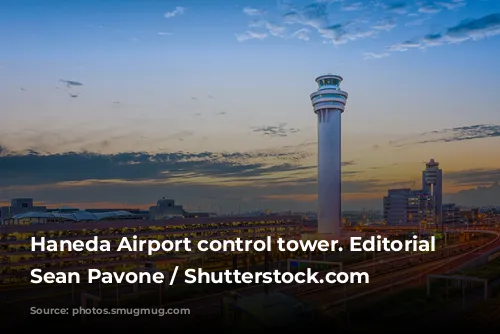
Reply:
x=329, y=226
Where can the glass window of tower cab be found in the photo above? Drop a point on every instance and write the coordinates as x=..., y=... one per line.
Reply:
x=329, y=81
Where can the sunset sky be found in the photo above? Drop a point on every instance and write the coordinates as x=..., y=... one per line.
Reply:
x=118, y=103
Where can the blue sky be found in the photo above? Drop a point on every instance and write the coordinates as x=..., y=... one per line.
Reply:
x=158, y=77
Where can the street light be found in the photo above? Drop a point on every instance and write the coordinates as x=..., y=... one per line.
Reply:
x=266, y=269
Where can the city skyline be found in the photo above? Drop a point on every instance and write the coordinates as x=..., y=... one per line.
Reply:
x=206, y=102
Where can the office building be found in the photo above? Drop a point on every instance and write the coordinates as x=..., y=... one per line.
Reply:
x=17, y=259
x=420, y=209
x=18, y=206
x=409, y=207
x=395, y=207
x=451, y=214
x=166, y=209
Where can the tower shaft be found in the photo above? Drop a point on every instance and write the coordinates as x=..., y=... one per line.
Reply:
x=329, y=171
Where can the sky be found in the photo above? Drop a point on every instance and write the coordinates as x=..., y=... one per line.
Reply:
x=119, y=103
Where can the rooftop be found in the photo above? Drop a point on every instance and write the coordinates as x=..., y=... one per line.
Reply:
x=75, y=216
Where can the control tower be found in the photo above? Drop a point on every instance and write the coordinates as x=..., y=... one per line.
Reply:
x=329, y=103
x=432, y=183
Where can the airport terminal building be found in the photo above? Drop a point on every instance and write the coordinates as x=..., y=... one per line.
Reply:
x=17, y=260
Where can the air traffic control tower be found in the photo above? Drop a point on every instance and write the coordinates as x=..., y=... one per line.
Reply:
x=329, y=102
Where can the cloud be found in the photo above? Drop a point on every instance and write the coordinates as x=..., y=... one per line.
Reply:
x=342, y=33
x=479, y=196
x=371, y=55
x=176, y=12
x=302, y=34
x=348, y=163
x=252, y=11
x=479, y=131
x=405, y=46
x=433, y=7
x=469, y=132
x=315, y=17
x=474, y=177
x=385, y=24
x=454, y=4
x=307, y=16
x=399, y=7
x=350, y=7
x=298, y=195
x=417, y=22
x=161, y=33
x=429, y=8
x=275, y=131
x=272, y=28
x=139, y=178
x=248, y=35
x=70, y=83
x=275, y=30
x=472, y=29
x=35, y=168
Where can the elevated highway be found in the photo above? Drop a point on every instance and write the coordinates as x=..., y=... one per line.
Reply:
x=390, y=274
x=406, y=277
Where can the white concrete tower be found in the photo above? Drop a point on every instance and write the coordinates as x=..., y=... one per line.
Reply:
x=329, y=103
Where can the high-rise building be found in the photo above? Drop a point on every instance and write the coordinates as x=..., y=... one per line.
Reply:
x=408, y=207
x=420, y=209
x=329, y=102
x=432, y=183
x=395, y=207
x=451, y=214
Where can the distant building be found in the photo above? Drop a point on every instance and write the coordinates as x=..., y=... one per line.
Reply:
x=395, y=207
x=18, y=206
x=469, y=215
x=33, y=218
x=199, y=214
x=166, y=209
x=451, y=214
x=138, y=213
x=361, y=217
x=408, y=207
x=420, y=208
x=432, y=183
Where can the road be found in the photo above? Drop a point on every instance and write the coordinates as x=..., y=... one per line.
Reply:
x=344, y=292
x=392, y=279
x=409, y=279
x=210, y=305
